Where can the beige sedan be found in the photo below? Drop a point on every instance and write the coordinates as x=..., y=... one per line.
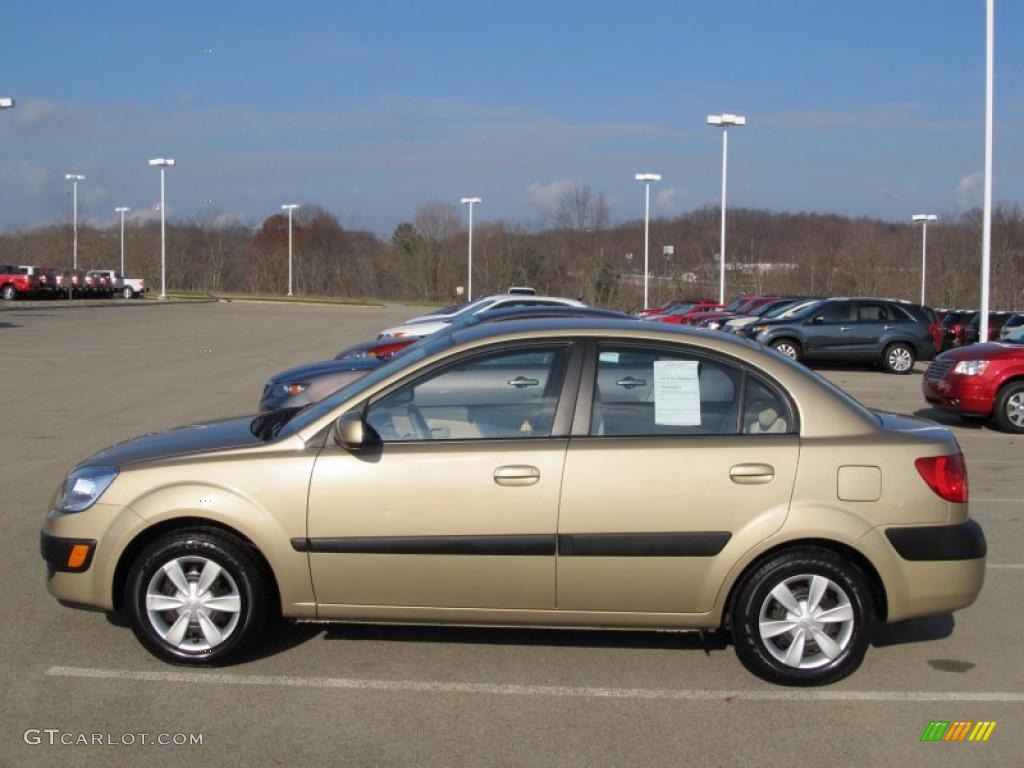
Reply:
x=591, y=473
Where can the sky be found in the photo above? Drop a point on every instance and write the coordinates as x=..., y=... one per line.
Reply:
x=873, y=108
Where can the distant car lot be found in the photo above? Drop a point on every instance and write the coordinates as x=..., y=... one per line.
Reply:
x=386, y=695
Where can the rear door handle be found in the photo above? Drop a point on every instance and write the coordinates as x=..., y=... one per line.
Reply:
x=752, y=474
x=844, y=327
x=517, y=474
x=629, y=382
x=521, y=382
x=888, y=327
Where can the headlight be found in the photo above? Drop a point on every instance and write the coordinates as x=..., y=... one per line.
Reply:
x=971, y=367
x=83, y=487
x=292, y=387
x=760, y=328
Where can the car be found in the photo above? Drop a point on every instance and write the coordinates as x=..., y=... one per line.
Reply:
x=889, y=332
x=752, y=309
x=15, y=284
x=43, y=277
x=381, y=349
x=981, y=381
x=305, y=384
x=126, y=287
x=557, y=472
x=742, y=326
x=1013, y=322
x=995, y=323
x=671, y=304
x=71, y=283
x=424, y=326
x=954, y=326
x=684, y=314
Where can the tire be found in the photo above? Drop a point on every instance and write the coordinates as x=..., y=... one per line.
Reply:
x=788, y=347
x=899, y=358
x=845, y=600
x=127, y=292
x=205, y=632
x=1009, y=408
x=8, y=293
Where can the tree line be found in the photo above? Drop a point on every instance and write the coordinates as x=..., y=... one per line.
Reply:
x=577, y=251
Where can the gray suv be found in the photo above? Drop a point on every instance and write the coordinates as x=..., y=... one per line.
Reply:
x=892, y=333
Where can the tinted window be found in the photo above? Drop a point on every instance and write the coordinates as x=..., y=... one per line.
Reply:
x=836, y=312
x=643, y=392
x=872, y=312
x=508, y=394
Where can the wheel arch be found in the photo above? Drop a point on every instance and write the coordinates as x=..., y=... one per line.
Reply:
x=859, y=560
x=144, y=537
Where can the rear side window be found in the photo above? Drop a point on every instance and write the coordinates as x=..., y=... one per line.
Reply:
x=765, y=411
x=872, y=312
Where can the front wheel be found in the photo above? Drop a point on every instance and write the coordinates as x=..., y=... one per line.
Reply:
x=899, y=358
x=1009, y=410
x=8, y=293
x=196, y=597
x=787, y=347
x=803, y=618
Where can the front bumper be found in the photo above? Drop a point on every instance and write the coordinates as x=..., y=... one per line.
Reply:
x=962, y=394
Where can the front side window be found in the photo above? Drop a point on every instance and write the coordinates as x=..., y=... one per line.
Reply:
x=644, y=392
x=507, y=394
x=836, y=312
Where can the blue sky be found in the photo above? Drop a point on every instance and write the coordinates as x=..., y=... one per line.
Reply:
x=372, y=109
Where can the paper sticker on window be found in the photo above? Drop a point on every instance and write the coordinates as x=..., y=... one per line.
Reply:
x=676, y=393
x=608, y=357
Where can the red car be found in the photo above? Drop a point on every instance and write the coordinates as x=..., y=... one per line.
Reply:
x=668, y=306
x=13, y=283
x=382, y=349
x=687, y=314
x=981, y=381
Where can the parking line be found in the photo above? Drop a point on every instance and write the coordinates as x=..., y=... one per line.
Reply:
x=998, y=501
x=1006, y=566
x=510, y=689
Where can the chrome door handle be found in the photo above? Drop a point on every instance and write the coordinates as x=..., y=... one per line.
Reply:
x=629, y=382
x=521, y=382
x=517, y=474
x=888, y=327
x=752, y=474
x=844, y=327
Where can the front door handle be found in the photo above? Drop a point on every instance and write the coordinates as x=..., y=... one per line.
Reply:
x=629, y=382
x=521, y=382
x=888, y=327
x=752, y=474
x=517, y=474
x=844, y=327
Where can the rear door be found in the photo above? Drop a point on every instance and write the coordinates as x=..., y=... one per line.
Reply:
x=831, y=334
x=678, y=461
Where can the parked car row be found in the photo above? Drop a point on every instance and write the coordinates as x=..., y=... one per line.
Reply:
x=963, y=326
x=27, y=281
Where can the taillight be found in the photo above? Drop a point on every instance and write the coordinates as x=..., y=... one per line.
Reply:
x=946, y=475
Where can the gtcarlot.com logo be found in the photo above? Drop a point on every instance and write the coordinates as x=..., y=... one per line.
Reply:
x=958, y=730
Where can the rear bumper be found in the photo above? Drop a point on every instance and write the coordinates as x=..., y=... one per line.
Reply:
x=963, y=541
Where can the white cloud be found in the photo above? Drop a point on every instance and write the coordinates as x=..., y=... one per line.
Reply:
x=35, y=112
x=548, y=195
x=670, y=200
x=968, y=190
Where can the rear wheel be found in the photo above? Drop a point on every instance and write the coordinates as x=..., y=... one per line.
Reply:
x=127, y=292
x=899, y=358
x=1009, y=409
x=803, y=618
x=196, y=597
x=787, y=347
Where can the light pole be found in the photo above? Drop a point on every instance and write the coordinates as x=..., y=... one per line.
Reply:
x=289, y=207
x=647, y=178
x=986, y=225
x=924, y=218
x=723, y=122
x=470, y=201
x=162, y=163
x=122, y=210
x=74, y=178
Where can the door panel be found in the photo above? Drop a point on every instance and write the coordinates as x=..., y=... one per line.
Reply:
x=427, y=524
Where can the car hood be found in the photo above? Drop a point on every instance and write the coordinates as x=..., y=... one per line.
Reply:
x=311, y=370
x=993, y=350
x=415, y=330
x=192, y=438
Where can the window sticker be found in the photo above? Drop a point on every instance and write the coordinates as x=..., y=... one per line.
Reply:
x=608, y=357
x=676, y=393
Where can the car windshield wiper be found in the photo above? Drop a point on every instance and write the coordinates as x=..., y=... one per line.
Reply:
x=267, y=425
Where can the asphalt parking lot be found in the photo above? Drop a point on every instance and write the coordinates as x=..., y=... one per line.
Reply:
x=76, y=379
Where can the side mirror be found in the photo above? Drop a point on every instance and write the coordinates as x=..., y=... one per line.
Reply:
x=817, y=320
x=350, y=430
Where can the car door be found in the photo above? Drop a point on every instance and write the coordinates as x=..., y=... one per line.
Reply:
x=830, y=332
x=874, y=322
x=456, y=505
x=679, y=461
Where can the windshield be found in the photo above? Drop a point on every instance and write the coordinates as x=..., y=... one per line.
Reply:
x=1016, y=336
x=682, y=309
x=412, y=354
x=736, y=303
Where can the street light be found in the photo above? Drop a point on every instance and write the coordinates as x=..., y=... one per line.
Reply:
x=986, y=221
x=470, y=201
x=723, y=122
x=122, y=210
x=924, y=218
x=162, y=163
x=6, y=102
x=74, y=178
x=647, y=178
x=289, y=207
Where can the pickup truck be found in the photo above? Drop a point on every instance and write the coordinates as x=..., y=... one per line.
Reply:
x=13, y=283
x=128, y=287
